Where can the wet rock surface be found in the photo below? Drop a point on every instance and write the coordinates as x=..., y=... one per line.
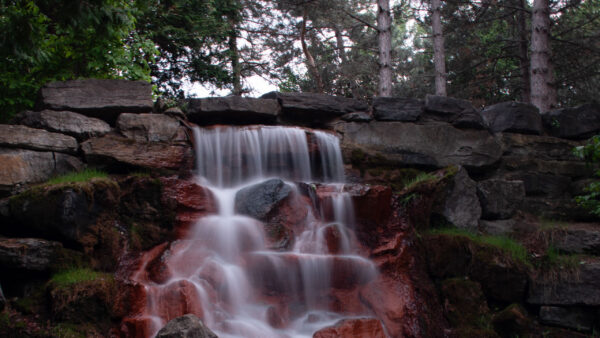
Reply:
x=353, y=328
x=188, y=326
x=259, y=200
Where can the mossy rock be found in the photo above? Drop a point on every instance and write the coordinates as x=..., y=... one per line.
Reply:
x=464, y=303
x=513, y=321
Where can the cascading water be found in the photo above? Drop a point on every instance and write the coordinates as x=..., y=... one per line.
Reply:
x=226, y=270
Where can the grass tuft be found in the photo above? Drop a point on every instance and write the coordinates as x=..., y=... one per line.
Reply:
x=81, y=176
x=74, y=276
x=420, y=178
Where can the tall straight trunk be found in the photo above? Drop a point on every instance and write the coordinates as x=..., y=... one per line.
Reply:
x=384, y=22
x=543, y=93
x=312, y=66
x=235, y=63
x=523, y=51
x=439, y=54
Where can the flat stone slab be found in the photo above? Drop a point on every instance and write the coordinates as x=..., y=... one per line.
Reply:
x=16, y=136
x=513, y=117
x=313, y=107
x=28, y=254
x=460, y=113
x=79, y=126
x=397, y=109
x=570, y=317
x=104, y=99
x=150, y=127
x=436, y=144
x=232, y=110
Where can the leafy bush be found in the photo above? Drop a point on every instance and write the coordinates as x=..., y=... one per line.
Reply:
x=591, y=154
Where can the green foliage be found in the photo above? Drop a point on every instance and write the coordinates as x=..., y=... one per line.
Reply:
x=591, y=154
x=74, y=276
x=81, y=176
x=516, y=250
x=419, y=179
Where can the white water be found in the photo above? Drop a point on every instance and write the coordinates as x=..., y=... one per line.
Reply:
x=237, y=282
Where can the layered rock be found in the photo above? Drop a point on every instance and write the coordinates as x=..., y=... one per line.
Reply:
x=315, y=108
x=29, y=254
x=150, y=127
x=576, y=318
x=574, y=123
x=79, y=126
x=104, y=99
x=458, y=203
x=14, y=136
x=578, y=287
x=232, y=110
x=514, y=117
x=397, y=109
x=460, y=113
x=500, y=198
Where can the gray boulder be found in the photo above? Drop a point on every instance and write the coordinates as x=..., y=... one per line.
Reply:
x=513, y=117
x=260, y=199
x=149, y=127
x=580, y=287
x=104, y=99
x=574, y=123
x=397, y=109
x=436, y=144
x=315, y=108
x=232, y=110
x=498, y=227
x=357, y=117
x=15, y=136
x=28, y=254
x=500, y=198
x=79, y=126
x=459, y=203
x=540, y=147
x=576, y=318
x=19, y=167
x=540, y=184
x=578, y=238
x=188, y=326
x=460, y=113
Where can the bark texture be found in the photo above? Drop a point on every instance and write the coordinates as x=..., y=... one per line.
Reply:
x=439, y=55
x=384, y=21
x=543, y=92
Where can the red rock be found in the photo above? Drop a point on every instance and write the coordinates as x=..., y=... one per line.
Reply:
x=177, y=299
x=188, y=195
x=333, y=239
x=353, y=328
x=136, y=327
x=372, y=204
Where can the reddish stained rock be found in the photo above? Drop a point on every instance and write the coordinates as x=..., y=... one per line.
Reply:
x=137, y=327
x=353, y=328
x=188, y=195
x=177, y=299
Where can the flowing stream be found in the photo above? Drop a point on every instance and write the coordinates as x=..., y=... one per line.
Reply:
x=231, y=273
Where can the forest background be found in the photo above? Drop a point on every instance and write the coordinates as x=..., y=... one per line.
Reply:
x=486, y=51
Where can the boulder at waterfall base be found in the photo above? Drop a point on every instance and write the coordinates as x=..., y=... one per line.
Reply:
x=188, y=326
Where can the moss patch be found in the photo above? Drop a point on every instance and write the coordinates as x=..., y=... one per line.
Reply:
x=67, y=278
x=81, y=176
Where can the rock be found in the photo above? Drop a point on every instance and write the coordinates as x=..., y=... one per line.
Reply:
x=460, y=113
x=2, y=299
x=149, y=127
x=513, y=322
x=188, y=326
x=19, y=167
x=580, y=287
x=79, y=126
x=353, y=328
x=315, y=108
x=104, y=99
x=572, y=169
x=539, y=184
x=578, y=239
x=260, y=199
x=433, y=145
x=232, y=110
x=458, y=202
x=577, y=318
x=29, y=254
x=175, y=112
x=357, y=117
x=574, y=123
x=463, y=301
x=397, y=109
x=539, y=147
x=153, y=155
x=498, y=227
x=15, y=136
x=513, y=117
x=500, y=198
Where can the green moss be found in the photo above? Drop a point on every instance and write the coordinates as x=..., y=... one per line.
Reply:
x=74, y=276
x=67, y=330
x=516, y=250
x=419, y=179
x=81, y=176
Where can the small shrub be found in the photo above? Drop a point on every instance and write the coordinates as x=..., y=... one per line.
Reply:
x=81, y=176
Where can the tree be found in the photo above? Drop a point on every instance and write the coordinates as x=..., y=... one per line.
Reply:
x=543, y=93
x=384, y=22
x=439, y=56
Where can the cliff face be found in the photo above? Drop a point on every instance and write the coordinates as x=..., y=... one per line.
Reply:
x=67, y=249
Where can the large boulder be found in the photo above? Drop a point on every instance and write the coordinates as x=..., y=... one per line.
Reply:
x=540, y=147
x=397, y=109
x=315, y=108
x=188, y=326
x=542, y=184
x=20, y=167
x=460, y=113
x=29, y=254
x=150, y=127
x=578, y=287
x=15, y=136
x=458, y=203
x=578, y=239
x=353, y=328
x=500, y=198
x=112, y=149
x=79, y=126
x=232, y=110
x=463, y=301
x=574, y=123
x=436, y=144
x=260, y=199
x=514, y=117
x=576, y=318
x=104, y=99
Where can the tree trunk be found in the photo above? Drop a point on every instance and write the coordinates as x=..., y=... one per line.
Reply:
x=439, y=55
x=523, y=51
x=543, y=93
x=235, y=63
x=384, y=21
x=312, y=66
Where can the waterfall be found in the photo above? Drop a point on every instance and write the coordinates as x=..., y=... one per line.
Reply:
x=228, y=273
